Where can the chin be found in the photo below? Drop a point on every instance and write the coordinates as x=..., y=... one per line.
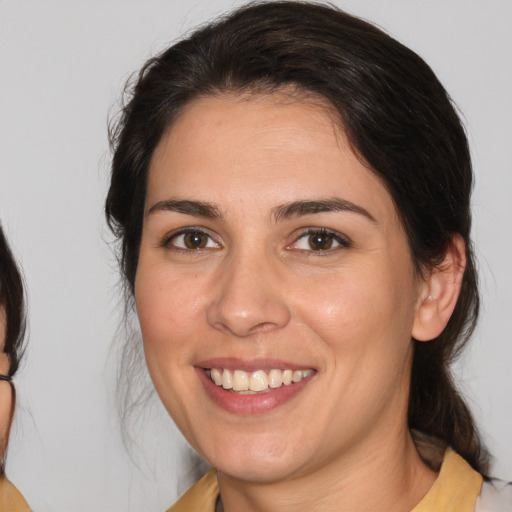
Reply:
x=255, y=460
x=256, y=471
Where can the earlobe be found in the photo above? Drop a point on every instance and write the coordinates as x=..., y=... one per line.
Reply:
x=439, y=292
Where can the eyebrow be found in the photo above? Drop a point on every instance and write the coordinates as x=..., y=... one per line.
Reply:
x=187, y=207
x=279, y=213
x=300, y=208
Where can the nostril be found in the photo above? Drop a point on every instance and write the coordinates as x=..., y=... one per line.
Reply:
x=247, y=299
x=241, y=329
x=260, y=317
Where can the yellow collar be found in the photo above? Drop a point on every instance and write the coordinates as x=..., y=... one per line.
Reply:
x=201, y=497
x=456, y=488
x=10, y=498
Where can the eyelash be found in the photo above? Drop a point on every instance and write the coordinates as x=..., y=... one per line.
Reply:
x=167, y=242
x=332, y=236
x=342, y=241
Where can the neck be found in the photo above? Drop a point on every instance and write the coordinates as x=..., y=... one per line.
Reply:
x=385, y=474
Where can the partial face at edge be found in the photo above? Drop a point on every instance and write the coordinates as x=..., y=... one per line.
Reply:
x=5, y=388
x=267, y=245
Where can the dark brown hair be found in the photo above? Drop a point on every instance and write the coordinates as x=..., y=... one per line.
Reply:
x=12, y=300
x=398, y=117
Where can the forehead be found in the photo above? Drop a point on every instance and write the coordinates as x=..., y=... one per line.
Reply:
x=273, y=148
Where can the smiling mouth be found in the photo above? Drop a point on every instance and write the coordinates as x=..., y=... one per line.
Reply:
x=256, y=382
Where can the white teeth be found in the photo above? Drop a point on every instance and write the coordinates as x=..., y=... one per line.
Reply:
x=275, y=378
x=257, y=381
x=297, y=376
x=240, y=380
x=287, y=377
x=216, y=376
x=227, y=380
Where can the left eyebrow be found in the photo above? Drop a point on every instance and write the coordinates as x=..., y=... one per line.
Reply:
x=187, y=207
x=300, y=208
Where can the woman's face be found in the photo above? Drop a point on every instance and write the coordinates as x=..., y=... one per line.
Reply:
x=269, y=252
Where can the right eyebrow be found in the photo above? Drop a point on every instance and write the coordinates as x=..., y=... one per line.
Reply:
x=187, y=207
x=335, y=204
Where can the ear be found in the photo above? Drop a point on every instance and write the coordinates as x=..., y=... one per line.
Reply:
x=439, y=291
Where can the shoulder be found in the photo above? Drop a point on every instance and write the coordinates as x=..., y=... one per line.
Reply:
x=11, y=499
x=201, y=497
x=495, y=496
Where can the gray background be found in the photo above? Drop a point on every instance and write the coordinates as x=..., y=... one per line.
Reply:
x=62, y=67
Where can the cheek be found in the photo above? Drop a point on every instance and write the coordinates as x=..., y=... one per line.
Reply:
x=168, y=314
x=169, y=308
x=340, y=310
x=5, y=410
x=360, y=310
x=4, y=362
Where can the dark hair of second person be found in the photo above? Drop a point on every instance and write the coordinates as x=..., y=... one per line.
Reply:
x=12, y=305
x=12, y=336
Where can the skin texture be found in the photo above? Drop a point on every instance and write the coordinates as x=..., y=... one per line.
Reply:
x=5, y=388
x=259, y=291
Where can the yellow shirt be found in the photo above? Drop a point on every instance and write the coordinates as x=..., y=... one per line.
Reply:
x=455, y=489
x=11, y=499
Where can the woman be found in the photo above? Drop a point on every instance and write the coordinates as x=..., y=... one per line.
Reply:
x=12, y=330
x=291, y=190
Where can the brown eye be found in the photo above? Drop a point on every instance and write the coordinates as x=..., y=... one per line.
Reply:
x=195, y=240
x=192, y=240
x=320, y=241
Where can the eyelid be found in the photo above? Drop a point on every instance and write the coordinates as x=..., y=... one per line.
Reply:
x=342, y=240
x=167, y=239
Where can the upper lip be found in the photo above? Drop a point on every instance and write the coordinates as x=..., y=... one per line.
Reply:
x=250, y=365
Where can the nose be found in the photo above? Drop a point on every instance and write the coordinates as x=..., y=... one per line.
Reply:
x=248, y=298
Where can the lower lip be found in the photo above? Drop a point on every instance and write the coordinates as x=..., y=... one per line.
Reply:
x=251, y=404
